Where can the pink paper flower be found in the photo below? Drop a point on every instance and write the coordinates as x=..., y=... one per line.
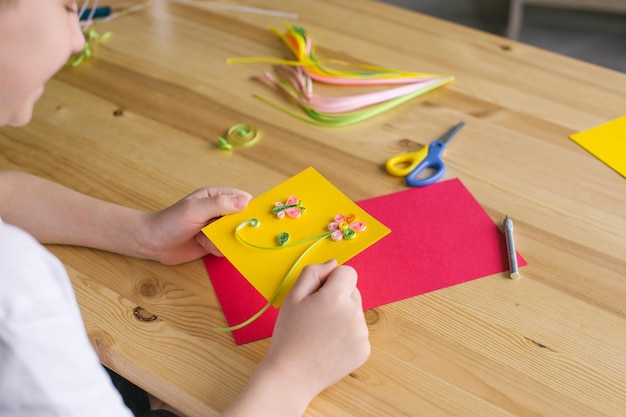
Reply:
x=345, y=227
x=292, y=208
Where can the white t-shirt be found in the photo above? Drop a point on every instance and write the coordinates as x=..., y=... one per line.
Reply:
x=47, y=365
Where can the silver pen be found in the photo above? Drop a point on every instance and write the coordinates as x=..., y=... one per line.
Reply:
x=510, y=247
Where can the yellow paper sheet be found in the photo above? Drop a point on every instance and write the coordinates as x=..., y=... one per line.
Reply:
x=265, y=269
x=606, y=142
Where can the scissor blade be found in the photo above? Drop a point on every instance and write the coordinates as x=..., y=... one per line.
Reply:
x=450, y=133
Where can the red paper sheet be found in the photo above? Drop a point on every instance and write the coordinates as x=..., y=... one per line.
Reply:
x=440, y=236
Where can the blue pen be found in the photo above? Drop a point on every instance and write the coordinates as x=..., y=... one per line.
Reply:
x=100, y=12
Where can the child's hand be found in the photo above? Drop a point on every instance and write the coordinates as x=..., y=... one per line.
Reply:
x=321, y=334
x=173, y=235
x=320, y=337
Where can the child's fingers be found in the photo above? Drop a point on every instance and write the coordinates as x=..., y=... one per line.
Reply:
x=220, y=205
x=342, y=279
x=210, y=203
x=310, y=280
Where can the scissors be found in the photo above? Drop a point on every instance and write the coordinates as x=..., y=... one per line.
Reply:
x=412, y=164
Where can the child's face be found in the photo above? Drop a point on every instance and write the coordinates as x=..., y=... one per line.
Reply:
x=36, y=39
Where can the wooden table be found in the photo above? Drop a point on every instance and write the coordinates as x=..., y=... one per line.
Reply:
x=137, y=124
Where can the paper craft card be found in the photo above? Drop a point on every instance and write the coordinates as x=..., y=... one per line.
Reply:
x=441, y=237
x=606, y=142
x=292, y=234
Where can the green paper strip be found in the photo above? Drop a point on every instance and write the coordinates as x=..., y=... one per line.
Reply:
x=278, y=290
x=340, y=120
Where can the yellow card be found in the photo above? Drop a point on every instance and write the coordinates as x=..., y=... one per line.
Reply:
x=606, y=142
x=257, y=252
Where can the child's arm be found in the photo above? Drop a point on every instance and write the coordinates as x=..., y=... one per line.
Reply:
x=320, y=337
x=56, y=214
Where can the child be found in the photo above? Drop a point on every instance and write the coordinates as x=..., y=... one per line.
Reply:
x=47, y=365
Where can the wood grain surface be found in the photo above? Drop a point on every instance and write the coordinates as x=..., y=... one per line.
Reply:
x=137, y=124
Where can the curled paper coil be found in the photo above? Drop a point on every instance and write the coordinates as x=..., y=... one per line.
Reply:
x=240, y=134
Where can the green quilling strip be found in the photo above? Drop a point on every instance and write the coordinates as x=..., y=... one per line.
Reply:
x=283, y=238
x=314, y=117
x=223, y=144
x=91, y=36
x=241, y=134
x=255, y=223
x=349, y=234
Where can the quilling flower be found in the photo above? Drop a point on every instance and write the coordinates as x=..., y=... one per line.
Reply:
x=345, y=227
x=292, y=208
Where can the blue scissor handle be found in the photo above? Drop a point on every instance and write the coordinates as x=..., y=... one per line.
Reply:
x=433, y=161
